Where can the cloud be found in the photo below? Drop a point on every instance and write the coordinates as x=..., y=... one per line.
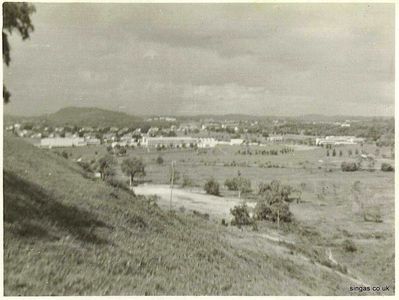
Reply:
x=167, y=58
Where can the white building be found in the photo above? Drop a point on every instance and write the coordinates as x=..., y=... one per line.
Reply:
x=274, y=138
x=92, y=141
x=339, y=140
x=169, y=142
x=61, y=142
x=236, y=142
x=207, y=143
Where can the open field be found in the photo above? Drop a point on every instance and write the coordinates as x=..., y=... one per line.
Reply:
x=327, y=209
x=66, y=234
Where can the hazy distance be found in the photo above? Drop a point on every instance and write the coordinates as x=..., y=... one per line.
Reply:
x=187, y=59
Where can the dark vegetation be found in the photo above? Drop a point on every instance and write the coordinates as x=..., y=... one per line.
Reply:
x=241, y=216
x=16, y=17
x=385, y=167
x=212, y=187
x=238, y=183
x=349, y=246
x=349, y=166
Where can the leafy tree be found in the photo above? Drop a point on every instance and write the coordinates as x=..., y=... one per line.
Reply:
x=105, y=166
x=132, y=167
x=272, y=202
x=16, y=16
x=212, y=187
x=241, y=216
x=240, y=184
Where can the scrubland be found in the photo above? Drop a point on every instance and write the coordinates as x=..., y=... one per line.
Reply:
x=66, y=233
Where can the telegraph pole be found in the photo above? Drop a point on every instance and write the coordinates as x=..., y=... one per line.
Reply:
x=171, y=186
x=278, y=219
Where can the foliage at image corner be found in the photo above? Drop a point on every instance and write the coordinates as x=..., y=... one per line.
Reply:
x=16, y=16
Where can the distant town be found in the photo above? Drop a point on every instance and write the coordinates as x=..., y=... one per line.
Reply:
x=202, y=133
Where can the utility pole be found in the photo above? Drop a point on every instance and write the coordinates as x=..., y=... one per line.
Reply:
x=171, y=185
x=278, y=219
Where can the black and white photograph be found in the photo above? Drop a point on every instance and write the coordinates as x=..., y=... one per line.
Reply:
x=198, y=149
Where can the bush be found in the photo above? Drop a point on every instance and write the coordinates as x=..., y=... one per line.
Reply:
x=85, y=166
x=122, y=151
x=277, y=188
x=159, y=160
x=118, y=184
x=187, y=181
x=241, y=216
x=349, y=246
x=212, y=187
x=238, y=184
x=204, y=216
x=272, y=212
x=385, y=167
x=349, y=166
x=372, y=214
x=64, y=154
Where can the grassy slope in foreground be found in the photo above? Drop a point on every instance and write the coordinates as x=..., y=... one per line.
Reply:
x=65, y=234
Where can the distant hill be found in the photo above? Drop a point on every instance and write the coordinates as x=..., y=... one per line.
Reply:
x=97, y=117
x=81, y=116
x=91, y=116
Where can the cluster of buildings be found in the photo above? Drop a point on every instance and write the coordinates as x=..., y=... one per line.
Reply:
x=191, y=134
x=181, y=142
x=339, y=140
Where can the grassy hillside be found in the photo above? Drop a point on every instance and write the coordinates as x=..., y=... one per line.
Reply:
x=65, y=234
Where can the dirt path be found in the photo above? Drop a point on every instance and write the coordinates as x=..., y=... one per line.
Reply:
x=194, y=199
x=218, y=208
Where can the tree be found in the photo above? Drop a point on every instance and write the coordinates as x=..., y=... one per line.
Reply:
x=132, y=167
x=212, y=187
x=241, y=216
x=159, y=160
x=272, y=203
x=105, y=166
x=16, y=16
x=240, y=184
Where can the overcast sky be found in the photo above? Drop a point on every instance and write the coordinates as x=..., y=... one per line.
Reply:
x=176, y=59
